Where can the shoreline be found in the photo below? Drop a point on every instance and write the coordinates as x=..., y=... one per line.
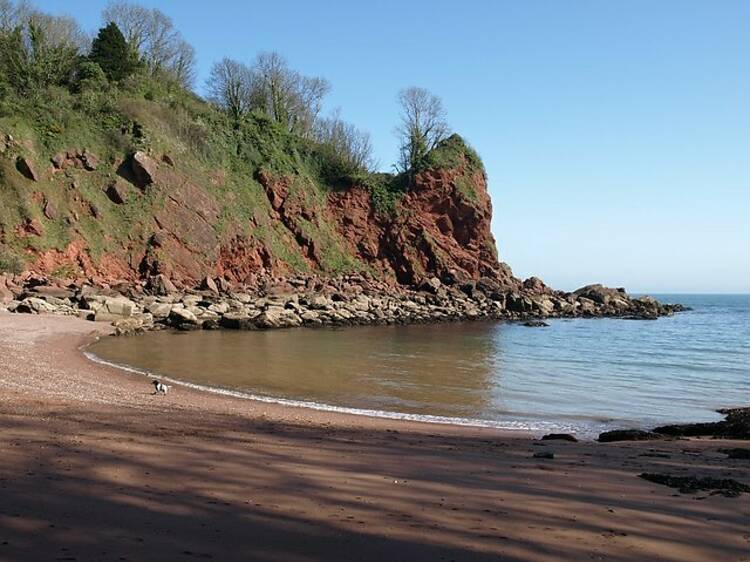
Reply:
x=352, y=300
x=96, y=468
x=511, y=426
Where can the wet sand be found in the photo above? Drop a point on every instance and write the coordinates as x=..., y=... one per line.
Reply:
x=95, y=467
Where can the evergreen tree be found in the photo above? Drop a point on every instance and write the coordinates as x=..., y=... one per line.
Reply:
x=112, y=53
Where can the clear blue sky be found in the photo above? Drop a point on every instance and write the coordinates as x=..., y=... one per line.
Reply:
x=616, y=135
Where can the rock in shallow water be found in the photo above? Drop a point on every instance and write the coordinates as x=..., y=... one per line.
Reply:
x=560, y=437
x=628, y=435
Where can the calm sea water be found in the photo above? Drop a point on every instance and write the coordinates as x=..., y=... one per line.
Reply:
x=576, y=375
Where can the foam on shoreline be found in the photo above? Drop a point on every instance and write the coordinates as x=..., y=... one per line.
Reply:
x=536, y=428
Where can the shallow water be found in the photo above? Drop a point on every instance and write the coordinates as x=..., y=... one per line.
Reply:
x=576, y=375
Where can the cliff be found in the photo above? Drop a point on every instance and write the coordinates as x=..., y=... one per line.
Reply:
x=158, y=187
x=148, y=207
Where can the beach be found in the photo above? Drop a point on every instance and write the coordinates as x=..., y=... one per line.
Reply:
x=96, y=467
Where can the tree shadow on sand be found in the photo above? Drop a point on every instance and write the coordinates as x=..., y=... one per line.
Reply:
x=144, y=487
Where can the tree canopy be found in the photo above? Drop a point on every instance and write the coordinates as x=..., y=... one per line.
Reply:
x=111, y=52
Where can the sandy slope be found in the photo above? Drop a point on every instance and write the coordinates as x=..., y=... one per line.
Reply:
x=93, y=467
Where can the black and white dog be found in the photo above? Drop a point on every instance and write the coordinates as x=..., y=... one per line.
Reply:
x=160, y=387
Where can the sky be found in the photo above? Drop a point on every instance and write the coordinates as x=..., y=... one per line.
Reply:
x=615, y=135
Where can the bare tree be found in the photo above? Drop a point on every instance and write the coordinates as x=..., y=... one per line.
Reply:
x=14, y=14
x=230, y=86
x=422, y=126
x=347, y=142
x=287, y=96
x=153, y=36
x=61, y=32
x=183, y=64
x=133, y=21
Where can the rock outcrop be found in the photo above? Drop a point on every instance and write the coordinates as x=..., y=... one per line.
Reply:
x=145, y=240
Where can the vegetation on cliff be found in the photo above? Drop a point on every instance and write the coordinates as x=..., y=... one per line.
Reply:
x=111, y=167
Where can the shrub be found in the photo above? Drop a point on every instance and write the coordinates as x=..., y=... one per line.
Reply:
x=10, y=262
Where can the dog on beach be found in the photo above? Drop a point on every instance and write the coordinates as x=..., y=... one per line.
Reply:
x=160, y=387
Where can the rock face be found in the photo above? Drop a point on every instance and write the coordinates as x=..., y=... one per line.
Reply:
x=442, y=229
x=142, y=224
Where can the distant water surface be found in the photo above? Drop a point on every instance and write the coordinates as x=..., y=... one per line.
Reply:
x=582, y=375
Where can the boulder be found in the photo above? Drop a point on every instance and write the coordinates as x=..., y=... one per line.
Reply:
x=208, y=284
x=232, y=321
x=117, y=192
x=26, y=167
x=119, y=306
x=161, y=285
x=628, y=435
x=45, y=291
x=50, y=211
x=560, y=437
x=35, y=305
x=600, y=294
x=128, y=326
x=179, y=316
x=431, y=285
x=89, y=160
x=58, y=160
x=275, y=317
x=535, y=285
x=160, y=309
x=319, y=302
x=144, y=168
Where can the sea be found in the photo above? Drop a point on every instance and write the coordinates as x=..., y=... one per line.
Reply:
x=580, y=376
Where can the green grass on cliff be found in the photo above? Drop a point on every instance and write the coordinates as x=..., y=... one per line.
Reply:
x=221, y=158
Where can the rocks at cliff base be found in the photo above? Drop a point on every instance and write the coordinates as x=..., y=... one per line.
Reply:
x=208, y=284
x=350, y=300
x=161, y=285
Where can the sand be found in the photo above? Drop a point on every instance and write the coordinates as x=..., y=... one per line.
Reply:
x=95, y=467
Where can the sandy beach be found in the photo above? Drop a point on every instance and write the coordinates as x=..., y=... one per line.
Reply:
x=95, y=467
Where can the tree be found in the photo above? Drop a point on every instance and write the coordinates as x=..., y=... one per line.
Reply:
x=230, y=86
x=422, y=126
x=111, y=52
x=30, y=62
x=61, y=32
x=183, y=66
x=351, y=146
x=13, y=15
x=285, y=95
x=151, y=34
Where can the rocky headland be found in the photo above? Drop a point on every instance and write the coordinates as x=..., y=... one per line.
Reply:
x=141, y=230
